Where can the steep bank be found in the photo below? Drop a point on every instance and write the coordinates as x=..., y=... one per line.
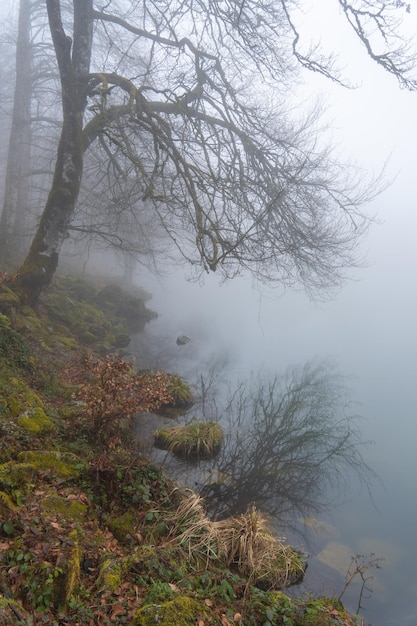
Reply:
x=92, y=533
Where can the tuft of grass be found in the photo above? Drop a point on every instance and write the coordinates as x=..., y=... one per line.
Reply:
x=180, y=391
x=199, y=440
x=243, y=543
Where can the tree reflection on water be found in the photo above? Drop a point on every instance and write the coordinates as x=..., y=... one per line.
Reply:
x=291, y=442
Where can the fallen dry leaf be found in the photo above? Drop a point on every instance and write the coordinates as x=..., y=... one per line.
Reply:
x=117, y=609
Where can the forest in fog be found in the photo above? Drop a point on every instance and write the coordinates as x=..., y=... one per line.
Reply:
x=189, y=141
x=171, y=133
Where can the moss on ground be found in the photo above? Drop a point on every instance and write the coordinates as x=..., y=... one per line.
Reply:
x=181, y=611
x=62, y=464
x=87, y=536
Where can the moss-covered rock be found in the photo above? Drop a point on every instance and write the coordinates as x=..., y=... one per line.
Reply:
x=180, y=611
x=18, y=475
x=64, y=508
x=67, y=579
x=35, y=421
x=165, y=563
x=125, y=305
x=64, y=464
x=16, y=396
x=123, y=527
x=112, y=572
x=95, y=316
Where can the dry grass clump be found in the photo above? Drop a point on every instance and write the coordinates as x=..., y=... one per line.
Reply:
x=243, y=543
x=200, y=440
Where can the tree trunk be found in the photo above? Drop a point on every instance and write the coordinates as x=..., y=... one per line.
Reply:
x=74, y=62
x=16, y=193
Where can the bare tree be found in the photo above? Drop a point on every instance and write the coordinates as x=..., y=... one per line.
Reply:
x=195, y=98
x=34, y=120
x=16, y=195
x=292, y=440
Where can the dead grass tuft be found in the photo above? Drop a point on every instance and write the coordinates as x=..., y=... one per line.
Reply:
x=199, y=440
x=243, y=543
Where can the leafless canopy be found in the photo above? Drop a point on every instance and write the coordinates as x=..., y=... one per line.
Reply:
x=191, y=103
x=197, y=99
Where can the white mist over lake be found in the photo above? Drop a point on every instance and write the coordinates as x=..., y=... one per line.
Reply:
x=369, y=329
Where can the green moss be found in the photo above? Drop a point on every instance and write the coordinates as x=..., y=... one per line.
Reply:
x=87, y=338
x=272, y=607
x=180, y=611
x=28, y=321
x=18, y=474
x=13, y=347
x=67, y=579
x=8, y=299
x=159, y=592
x=112, y=572
x=35, y=421
x=67, y=342
x=72, y=409
x=65, y=464
x=325, y=612
x=123, y=527
x=72, y=510
x=124, y=305
x=17, y=397
x=165, y=563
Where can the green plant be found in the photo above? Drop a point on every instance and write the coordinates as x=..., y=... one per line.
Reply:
x=273, y=608
x=158, y=592
x=32, y=580
x=12, y=345
x=180, y=391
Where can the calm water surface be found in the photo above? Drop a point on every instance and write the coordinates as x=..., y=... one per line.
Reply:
x=370, y=330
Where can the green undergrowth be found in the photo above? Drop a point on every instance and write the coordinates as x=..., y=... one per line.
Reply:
x=99, y=535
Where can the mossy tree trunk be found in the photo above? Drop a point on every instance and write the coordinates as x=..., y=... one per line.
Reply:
x=73, y=58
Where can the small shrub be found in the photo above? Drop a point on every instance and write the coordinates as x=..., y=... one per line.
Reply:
x=115, y=393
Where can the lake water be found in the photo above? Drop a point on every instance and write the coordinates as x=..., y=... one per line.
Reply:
x=370, y=331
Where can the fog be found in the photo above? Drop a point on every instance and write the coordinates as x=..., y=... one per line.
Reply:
x=368, y=328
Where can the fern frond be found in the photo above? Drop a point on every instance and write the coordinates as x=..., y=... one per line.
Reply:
x=7, y=501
